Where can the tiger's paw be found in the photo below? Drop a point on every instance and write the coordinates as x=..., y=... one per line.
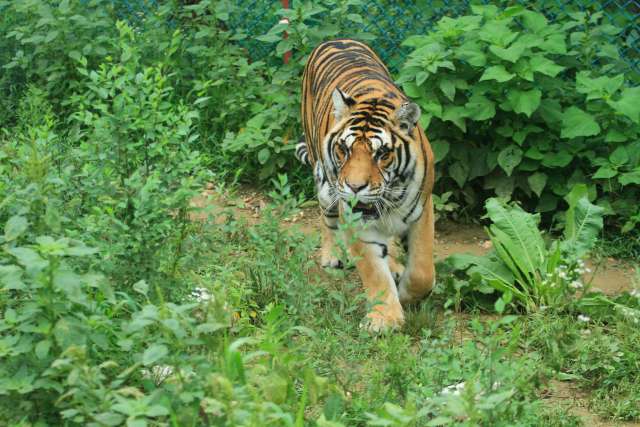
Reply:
x=330, y=261
x=382, y=320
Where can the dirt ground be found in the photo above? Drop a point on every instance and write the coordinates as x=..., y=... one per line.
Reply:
x=608, y=275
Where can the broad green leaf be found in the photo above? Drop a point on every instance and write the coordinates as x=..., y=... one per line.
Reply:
x=542, y=65
x=555, y=43
x=516, y=237
x=42, y=349
x=480, y=108
x=455, y=114
x=511, y=54
x=632, y=177
x=459, y=171
x=154, y=353
x=537, y=182
x=472, y=53
x=440, y=149
x=619, y=156
x=509, y=158
x=498, y=73
x=557, y=160
x=15, y=226
x=583, y=222
x=447, y=86
x=533, y=21
x=263, y=155
x=576, y=123
x=599, y=87
x=605, y=172
x=628, y=103
x=524, y=101
x=28, y=258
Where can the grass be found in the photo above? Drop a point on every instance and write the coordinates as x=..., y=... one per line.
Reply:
x=410, y=377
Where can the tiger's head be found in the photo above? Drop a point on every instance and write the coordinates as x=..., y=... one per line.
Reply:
x=372, y=150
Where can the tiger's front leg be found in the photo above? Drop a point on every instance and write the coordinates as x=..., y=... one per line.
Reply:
x=372, y=264
x=419, y=275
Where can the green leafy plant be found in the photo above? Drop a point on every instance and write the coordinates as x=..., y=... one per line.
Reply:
x=510, y=101
x=523, y=268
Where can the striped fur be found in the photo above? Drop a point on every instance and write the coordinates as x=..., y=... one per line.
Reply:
x=363, y=142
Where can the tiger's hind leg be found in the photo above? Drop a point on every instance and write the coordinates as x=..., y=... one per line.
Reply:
x=329, y=249
x=419, y=276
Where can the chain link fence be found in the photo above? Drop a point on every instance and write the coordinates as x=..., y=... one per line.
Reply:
x=392, y=21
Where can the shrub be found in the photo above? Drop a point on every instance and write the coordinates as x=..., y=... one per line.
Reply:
x=512, y=102
x=523, y=267
x=137, y=164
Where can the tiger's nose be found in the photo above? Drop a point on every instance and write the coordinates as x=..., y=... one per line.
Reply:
x=355, y=187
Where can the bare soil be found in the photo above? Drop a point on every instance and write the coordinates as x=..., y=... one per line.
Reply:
x=609, y=275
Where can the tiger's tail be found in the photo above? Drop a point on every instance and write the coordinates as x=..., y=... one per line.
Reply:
x=302, y=152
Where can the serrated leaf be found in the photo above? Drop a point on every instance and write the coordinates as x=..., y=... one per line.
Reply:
x=524, y=101
x=498, y=73
x=15, y=226
x=537, y=182
x=509, y=158
x=576, y=123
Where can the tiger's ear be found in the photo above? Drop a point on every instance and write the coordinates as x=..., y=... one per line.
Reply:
x=407, y=116
x=341, y=104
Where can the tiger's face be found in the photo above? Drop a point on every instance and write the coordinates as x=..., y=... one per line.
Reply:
x=372, y=152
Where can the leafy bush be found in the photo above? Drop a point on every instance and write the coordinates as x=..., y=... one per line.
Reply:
x=512, y=102
x=137, y=164
x=523, y=267
x=44, y=40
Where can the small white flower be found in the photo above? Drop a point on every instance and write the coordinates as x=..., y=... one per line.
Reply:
x=635, y=293
x=453, y=389
x=583, y=318
x=588, y=270
x=201, y=294
x=575, y=285
x=562, y=275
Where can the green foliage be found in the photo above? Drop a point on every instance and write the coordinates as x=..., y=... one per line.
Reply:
x=511, y=102
x=522, y=267
x=136, y=155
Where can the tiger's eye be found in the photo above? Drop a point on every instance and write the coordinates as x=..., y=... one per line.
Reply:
x=385, y=156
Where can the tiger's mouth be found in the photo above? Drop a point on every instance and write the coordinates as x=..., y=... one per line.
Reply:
x=368, y=210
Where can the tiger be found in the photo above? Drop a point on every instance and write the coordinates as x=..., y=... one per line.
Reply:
x=369, y=154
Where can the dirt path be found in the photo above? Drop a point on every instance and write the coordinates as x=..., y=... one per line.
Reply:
x=608, y=275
